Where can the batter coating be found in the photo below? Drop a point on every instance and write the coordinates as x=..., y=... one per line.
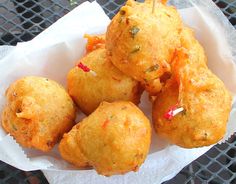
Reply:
x=115, y=139
x=69, y=148
x=142, y=44
x=38, y=112
x=109, y=84
x=202, y=95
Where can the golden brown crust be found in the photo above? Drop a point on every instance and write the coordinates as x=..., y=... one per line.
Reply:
x=69, y=148
x=206, y=101
x=115, y=139
x=109, y=84
x=38, y=112
x=141, y=43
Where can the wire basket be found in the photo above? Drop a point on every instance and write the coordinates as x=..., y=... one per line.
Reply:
x=22, y=20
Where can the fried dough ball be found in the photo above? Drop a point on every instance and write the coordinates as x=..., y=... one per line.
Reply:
x=142, y=44
x=69, y=148
x=109, y=84
x=205, y=100
x=38, y=112
x=114, y=139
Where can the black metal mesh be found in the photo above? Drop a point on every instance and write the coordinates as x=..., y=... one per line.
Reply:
x=217, y=166
x=21, y=20
x=11, y=175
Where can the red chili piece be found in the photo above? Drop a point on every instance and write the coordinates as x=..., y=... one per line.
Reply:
x=83, y=67
x=170, y=113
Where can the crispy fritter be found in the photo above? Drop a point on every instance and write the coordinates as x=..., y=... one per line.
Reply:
x=109, y=84
x=142, y=43
x=38, y=112
x=202, y=95
x=114, y=139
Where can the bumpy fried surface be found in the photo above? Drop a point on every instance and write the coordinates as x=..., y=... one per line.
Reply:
x=114, y=139
x=203, y=96
x=88, y=91
x=69, y=148
x=38, y=112
x=142, y=44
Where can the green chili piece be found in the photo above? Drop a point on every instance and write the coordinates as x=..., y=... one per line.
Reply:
x=136, y=49
x=14, y=127
x=134, y=30
x=153, y=68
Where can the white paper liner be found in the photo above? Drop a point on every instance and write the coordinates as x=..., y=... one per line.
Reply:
x=54, y=52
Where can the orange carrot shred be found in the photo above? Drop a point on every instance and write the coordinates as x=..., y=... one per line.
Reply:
x=94, y=42
x=104, y=125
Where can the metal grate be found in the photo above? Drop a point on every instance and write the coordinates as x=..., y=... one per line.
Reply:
x=217, y=166
x=22, y=20
x=11, y=175
x=229, y=9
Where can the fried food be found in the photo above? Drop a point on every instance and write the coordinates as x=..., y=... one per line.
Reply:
x=38, y=112
x=109, y=84
x=205, y=100
x=94, y=42
x=142, y=43
x=114, y=139
x=69, y=148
